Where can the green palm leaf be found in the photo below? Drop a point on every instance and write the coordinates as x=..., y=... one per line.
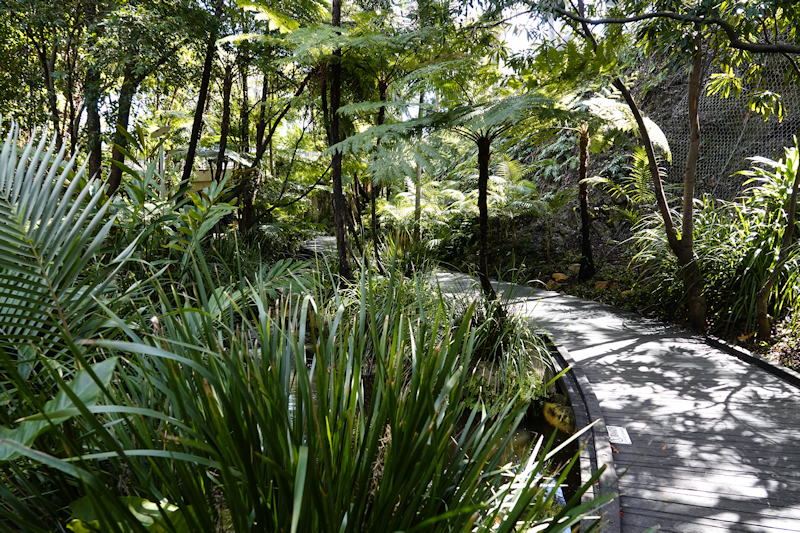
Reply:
x=52, y=226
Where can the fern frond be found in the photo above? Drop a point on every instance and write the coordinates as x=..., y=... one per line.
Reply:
x=619, y=116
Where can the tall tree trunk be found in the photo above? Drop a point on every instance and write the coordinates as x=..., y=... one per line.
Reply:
x=693, y=282
x=91, y=96
x=93, y=141
x=48, y=62
x=227, y=84
x=587, y=270
x=76, y=106
x=484, y=153
x=130, y=83
x=211, y=50
x=94, y=144
x=271, y=146
x=70, y=97
x=248, y=216
x=339, y=205
x=244, y=110
x=261, y=125
x=418, y=184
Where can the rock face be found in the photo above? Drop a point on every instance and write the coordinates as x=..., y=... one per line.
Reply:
x=601, y=228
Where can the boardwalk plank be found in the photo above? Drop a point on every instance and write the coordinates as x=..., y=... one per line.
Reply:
x=716, y=501
x=640, y=520
x=713, y=438
x=708, y=488
x=699, y=514
x=685, y=469
x=673, y=426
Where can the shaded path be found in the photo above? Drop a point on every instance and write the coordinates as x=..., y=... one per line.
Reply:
x=714, y=440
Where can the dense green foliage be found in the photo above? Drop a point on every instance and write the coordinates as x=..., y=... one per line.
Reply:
x=167, y=363
x=738, y=244
x=192, y=399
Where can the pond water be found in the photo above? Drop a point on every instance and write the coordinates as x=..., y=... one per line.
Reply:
x=529, y=431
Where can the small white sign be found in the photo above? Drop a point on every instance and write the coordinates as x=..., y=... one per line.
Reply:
x=618, y=435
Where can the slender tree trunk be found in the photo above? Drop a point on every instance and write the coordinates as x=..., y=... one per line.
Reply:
x=418, y=184
x=261, y=125
x=248, y=217
x=271, y=146
x=91, y=95
x=70, y=96
x=587, y=270
x=227, y=84
x=93, y=141
x=484, y=153
x=693, y=281
x=130, y=83
x=211, y=50
x=762, y=297
x=244, y=111
x=48, y=62
x=339, y=205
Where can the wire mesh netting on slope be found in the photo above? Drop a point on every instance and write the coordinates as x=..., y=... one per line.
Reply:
x=730, y=132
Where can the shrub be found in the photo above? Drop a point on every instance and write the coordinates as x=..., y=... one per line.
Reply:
x=737, y=245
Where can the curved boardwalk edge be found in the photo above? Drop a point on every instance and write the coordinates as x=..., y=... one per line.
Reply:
x=713, y=437
x=595, y=446
x=777, y=370
x=596, y=449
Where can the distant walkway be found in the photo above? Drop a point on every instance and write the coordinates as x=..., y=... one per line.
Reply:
x=714, y=441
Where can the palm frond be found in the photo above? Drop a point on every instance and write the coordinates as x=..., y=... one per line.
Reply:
x=52, y=226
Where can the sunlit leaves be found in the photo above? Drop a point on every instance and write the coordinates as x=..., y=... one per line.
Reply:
x=766, y=103
x=725, y=84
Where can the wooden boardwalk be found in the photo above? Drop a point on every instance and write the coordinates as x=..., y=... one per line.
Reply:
x=714, y=440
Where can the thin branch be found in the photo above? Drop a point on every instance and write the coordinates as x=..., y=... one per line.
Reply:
x=727, y=27
x=303, y=195
x=793, y=63
x=282, y=114
x=494, y=24
x=291, y=164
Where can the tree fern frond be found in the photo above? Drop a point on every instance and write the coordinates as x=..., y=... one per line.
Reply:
x=620, y=116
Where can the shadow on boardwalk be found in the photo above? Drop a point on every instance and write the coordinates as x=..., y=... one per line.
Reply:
x=714, y=440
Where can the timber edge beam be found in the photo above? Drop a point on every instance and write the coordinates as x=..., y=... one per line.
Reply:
x=777, y=370
x=594, y=444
